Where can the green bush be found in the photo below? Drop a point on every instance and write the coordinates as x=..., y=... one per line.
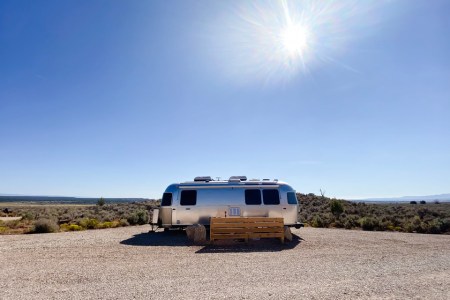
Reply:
x=71, y=227
x=317, y=222
x=108, y=224
x=124, y=222
x=45, y=226
x=139, y=217
x=369, y=223
x=89, y=223
x=101, y=201
x=337, y=208
x=27, y=216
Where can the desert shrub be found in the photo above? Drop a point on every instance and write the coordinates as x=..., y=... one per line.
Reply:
x=337, y=208
x=132, y=219
x=317, y=222
x=89, y=223
x=368, y=223
x=445, y=225
x=124, y=222
x=139, y=217
x=3, y=229
x=435, y=226
x=27, y=215
x=415, y=225
x=12, y=224
x=45, y=226
x=339, y=224
x=422, y=212
x=71, y=227
x=108, y=224
x=423, y=202
x=413, y=202
x=101, y=201
x=348, y=224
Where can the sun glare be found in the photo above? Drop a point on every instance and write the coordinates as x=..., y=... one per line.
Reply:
x=294, y=39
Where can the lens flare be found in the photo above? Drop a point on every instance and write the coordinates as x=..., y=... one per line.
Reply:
x=295, y=39
x=276, y=41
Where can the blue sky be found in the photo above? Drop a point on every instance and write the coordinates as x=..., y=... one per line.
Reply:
x=122, y=98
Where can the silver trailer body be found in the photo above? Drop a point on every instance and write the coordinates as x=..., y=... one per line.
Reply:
x=197, y=201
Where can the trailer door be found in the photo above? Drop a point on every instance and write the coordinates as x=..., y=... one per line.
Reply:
x=290, y=210
x=165, y=212
x=187, y=211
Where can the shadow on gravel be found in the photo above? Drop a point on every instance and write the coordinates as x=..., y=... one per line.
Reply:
x=262, y=245
x=158, y=238
x=178, y=238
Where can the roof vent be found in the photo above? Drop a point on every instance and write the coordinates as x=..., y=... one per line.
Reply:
x=238, y=178
x=203, y=178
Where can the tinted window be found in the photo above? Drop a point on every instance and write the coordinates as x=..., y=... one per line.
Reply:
x=292, y=199
x=252, y=197
x=166, y=199
x=271, y=197
x=188, y=197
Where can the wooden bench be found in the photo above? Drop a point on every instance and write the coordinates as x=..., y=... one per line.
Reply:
x=245, y=228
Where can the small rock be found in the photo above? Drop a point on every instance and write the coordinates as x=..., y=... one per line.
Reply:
x=287, y=233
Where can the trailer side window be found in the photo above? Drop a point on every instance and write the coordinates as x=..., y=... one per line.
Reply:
x=271, y=197
x=166, y=199
x=188, y=197
x=252, y=197
x=292, y=199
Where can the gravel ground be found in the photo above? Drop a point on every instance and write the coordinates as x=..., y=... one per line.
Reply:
x=128, y=262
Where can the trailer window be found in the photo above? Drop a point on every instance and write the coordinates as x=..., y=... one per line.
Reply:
x=292, y=199
x=166, y=199
x=271, y=197
x=188, y=197
x=252, y=197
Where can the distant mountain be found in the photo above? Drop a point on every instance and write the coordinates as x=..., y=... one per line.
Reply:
x=62, y=199
x=430, y=198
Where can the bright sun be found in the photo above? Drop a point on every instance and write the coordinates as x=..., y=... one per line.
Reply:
x=294, y=38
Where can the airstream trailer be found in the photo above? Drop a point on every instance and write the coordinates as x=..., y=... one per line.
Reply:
x=195, y=202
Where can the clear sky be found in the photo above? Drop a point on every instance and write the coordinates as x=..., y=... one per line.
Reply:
x=122, y=98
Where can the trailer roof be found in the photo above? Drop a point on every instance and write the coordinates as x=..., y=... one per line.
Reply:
x=232, y=183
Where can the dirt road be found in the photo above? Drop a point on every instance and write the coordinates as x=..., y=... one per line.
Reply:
x=127, y=263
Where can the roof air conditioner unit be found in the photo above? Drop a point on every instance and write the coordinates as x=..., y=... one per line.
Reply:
x=238, y=178
x=203, y=178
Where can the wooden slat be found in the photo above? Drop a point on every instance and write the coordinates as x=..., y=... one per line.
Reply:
x=217, y=220
x=230, y=236
x=247, y=225
x=263, y=235
x=243, y=230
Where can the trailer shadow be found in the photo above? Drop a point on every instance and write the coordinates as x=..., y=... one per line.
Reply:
x=158, y=238
x=262, y=245
x=178, y=238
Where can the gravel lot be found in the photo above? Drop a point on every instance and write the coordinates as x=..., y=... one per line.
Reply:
x=128, y=262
